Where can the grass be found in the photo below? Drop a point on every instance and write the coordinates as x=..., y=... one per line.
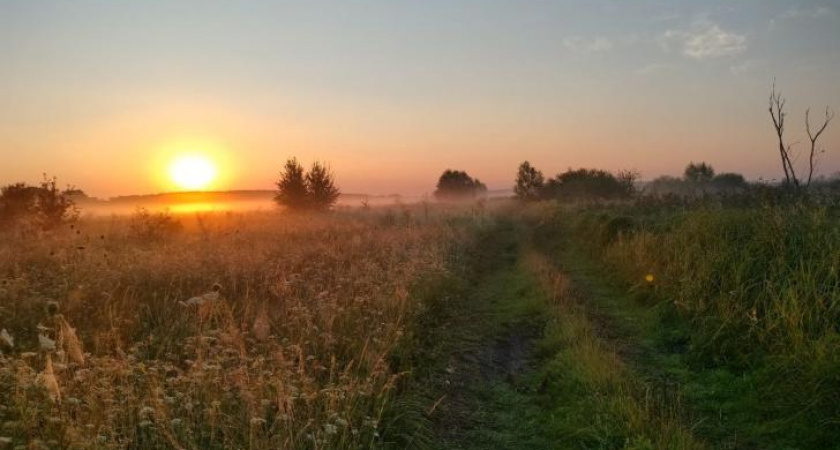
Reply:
x=742, y=312
x=521, y=364
x=253, y=330
x=425, y=328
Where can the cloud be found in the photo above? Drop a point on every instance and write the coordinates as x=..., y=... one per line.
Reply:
x=746, y=67
x=705, y=40
x=805, y=13
x=656, y=69
x=580, y=44
x=801, y=14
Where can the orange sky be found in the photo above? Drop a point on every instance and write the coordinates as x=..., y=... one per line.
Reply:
x=104, y=95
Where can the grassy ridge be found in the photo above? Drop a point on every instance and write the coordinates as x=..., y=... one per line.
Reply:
x=747, y=299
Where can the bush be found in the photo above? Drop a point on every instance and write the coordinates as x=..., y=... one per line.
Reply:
x=45, y=205
x=147, y=226
x=458, y=185
x=587, y=184
x=759, y=289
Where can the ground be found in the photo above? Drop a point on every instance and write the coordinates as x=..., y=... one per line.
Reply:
x=514, y=377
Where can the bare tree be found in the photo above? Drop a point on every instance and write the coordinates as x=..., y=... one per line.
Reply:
x=778, y=114
x=813, y=137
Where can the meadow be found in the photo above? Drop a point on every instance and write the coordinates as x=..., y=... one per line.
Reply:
x=229, y=330
x=641, y=324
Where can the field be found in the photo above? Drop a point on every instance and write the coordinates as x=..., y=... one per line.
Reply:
x=502, y=326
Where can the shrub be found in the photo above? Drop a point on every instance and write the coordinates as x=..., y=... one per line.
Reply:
x=46, y=204
x=149, y=226
x=586, y=184
x=458, y=185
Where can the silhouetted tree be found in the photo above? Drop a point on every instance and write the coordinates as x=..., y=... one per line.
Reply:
x=54, y=206
x=699, y=172
x=46, y=204
x=16, y=201
x=778, y=114
x=665, y=186
x=298, y=190
x=529, y=183
x=586, y=184
x=729, y=181
x=320, y=187
x=458, y=185
x=291, y=188
x=628, y=179
x=813, y=136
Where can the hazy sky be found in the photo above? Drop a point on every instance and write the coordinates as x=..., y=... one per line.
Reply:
x=100, y=93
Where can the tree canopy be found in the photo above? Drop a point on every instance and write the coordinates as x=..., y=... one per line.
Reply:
x=529, y=182
x=457, y=185
x=299, y=190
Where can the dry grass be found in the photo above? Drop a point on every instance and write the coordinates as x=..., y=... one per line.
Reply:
x=234, y=331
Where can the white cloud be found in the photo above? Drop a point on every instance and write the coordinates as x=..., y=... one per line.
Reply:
x=805, y=13
x=583, y=45
x=705, y=40
x=746, y=67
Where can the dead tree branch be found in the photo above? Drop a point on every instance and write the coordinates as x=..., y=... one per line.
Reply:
x=814, y=136
x=778, y=114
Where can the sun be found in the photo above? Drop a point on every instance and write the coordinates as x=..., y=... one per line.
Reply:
x=192, y=172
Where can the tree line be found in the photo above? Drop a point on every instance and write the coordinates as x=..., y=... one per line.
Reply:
x=48, y=206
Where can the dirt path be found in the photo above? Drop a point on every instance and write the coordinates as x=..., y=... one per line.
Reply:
x=523, y=371
x=491, y=401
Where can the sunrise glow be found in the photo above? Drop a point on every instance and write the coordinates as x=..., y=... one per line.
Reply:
x=192, y=172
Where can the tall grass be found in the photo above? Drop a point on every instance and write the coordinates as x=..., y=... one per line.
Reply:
x=596, y=400
x=232, y=331
x=760, y=290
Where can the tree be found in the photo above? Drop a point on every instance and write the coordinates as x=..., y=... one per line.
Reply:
x=17, y=200
x=48, y=205
x=529, y=183
x=586, y=184
x=813, y=136
x=728, y=181
x=628, y=179
x=320, y=187
x=291, y=188
x=778, y=114
x=699, y=172
x=457, y=184
x=54, y=206
x=300, y=190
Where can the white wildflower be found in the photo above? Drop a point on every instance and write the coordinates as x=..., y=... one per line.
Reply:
x=6, y=338
x=46, y=343
x=257, y=422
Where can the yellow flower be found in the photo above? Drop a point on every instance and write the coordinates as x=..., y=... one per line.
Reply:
x=649, y=278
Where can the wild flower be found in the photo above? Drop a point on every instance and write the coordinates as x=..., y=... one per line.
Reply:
x=45, y=343
x=6, y=339
x=48, y=380
x=72, y=343
x=262, y=326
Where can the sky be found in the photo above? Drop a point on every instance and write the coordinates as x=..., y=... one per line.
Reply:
x=102, y=94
